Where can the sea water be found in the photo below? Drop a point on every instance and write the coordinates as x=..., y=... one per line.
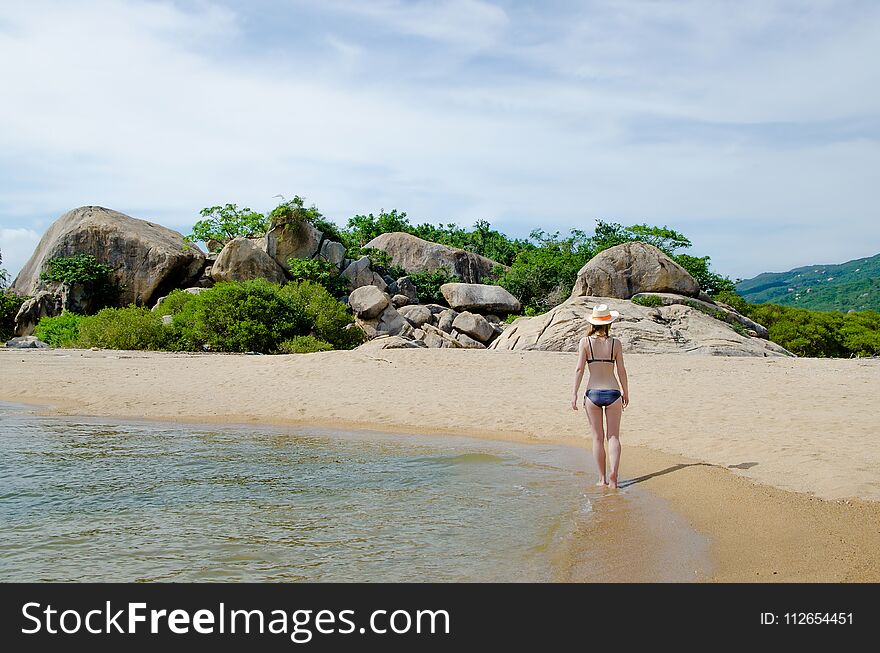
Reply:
x=93, y=499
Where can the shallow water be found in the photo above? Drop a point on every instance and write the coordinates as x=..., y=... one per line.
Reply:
x=103, y=500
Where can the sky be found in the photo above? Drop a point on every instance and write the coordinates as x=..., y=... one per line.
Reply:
x=753, y=127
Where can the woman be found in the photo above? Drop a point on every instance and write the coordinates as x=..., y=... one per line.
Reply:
x=602, y=353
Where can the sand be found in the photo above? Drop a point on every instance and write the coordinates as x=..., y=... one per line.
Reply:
x=776, y=460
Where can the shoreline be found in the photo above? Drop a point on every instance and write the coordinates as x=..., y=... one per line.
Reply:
x=757, y=532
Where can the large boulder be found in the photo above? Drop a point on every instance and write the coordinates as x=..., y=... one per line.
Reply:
x=148, y=260
x=416, y=315
x=662, y=329
x=333, y=252
x=367, y=302
x=624, y=270
x=43, y=304
x=242, y=259
x=473, y=325
x=359, y=273
x=479, y=297
x=292, y=240
x=414, y=255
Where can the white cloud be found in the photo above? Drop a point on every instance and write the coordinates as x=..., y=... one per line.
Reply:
x=631, y=111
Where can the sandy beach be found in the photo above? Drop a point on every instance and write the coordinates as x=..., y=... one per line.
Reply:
x=775, y=460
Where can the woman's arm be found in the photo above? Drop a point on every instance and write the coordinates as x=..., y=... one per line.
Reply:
x=621, y=374
x=578, y=373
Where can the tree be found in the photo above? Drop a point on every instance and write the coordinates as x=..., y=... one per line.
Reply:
x=220, y=224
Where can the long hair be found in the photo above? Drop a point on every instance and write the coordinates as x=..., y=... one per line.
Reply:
x=599, y=329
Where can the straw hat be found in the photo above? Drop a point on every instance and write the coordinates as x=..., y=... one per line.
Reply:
x=601, y=315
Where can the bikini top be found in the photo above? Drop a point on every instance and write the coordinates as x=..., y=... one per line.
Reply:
x=599, y=360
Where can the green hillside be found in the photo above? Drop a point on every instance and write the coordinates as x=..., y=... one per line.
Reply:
x=854, y=285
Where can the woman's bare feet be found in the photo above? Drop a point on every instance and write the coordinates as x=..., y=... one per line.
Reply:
x=612, y=481
x=602, y=481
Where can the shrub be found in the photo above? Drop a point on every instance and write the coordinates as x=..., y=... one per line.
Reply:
x=329, y=319
x=133, y=327
x=174, y=302
x=428, y=285
x=647, y=300
x=303, y=345
x=86, y=271
x=223, y=223
x=59, y=331
x=239, y=317
x=295, y=211
x=319, y=271
x=9, y=305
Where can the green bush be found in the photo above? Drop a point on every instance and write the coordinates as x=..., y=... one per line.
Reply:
x=303, y=345
x=734, y=300
x=328, y=318
x=133, y=327
x=295, y=211
x=86, y=271
x=319, y=271
x=174, y=302
x=59, y=331
x=240, y=317
x=9, y=305
x=428, y=285
x=647, y=300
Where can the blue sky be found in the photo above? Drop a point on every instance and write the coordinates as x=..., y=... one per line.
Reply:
x=752, y=126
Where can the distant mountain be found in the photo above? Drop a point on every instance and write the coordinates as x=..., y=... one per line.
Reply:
x=854, y=285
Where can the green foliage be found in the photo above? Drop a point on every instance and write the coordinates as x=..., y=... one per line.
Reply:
x=59, y=331
x=647, y=300
x=481, y=239
x=328, y=318
x=83, y=269
x=609, y=234
x=542, y=277
x=133, y=327
x=174, y=302
x=323, y=272
x=303, y=345
x=9, y=305
x=428, y=285
x=295, y=212
x=223, y=223
x=709, y=281
x=239, y=317
x=361, y=229
x=733, y=299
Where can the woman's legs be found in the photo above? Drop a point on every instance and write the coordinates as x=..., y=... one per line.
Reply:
x=594, y=414
x=612, y=417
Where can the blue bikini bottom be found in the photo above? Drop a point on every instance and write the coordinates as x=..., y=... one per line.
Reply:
x=602, y=397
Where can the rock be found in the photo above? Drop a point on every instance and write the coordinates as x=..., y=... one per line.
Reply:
x=416, y=255
x=367, y=302
x=359, y=273
x=26, y=342
x=437, y=339
x=467, y=342
x=43, y=304
x=479, y=297
x=389, y=323
x=641, y=329
x=625, y=270
x=416, y=315
x=446, y=320
x=399, y=300
x=436, y=309
x=408, y=288
x=148, y=260
x=292, y=240
x=242, y=260
x=390, y=342
x=721, y=312
x=333, y=252
x=473, y=325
